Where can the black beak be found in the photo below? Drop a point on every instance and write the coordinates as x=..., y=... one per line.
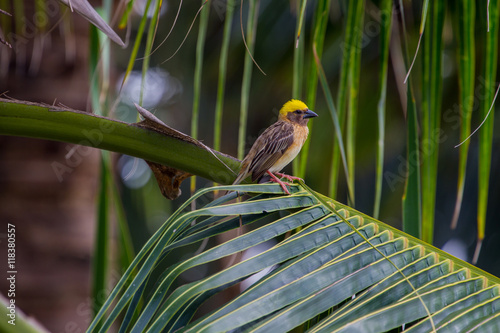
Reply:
x=310, y=114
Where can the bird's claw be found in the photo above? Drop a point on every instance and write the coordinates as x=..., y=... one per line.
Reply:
x=288, y=177
x=279, y=181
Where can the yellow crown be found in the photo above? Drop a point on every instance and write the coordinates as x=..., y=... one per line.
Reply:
x=292, y=105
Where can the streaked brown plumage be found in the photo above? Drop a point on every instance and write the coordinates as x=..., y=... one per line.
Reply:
x=278, y=145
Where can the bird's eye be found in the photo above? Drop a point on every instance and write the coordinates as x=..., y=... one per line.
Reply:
x=298, y=111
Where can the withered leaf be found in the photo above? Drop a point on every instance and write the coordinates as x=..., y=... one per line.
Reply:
x=169, y=179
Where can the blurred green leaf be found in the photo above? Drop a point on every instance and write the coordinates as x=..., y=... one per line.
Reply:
x=221, y=84
x=412, y=202
x=464, y=22
x=354, y=65
x=412, y=196
x=137, y=43
x=198, y=70
x=336, y=125
x=349, y=48
x=385, y=37
x=486, y=132
x=102, y=245
x=431, y=115
x=298, y=70
x=252, y=19
x=319, y=24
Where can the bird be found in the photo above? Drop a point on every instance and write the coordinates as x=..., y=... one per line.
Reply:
x=278, y=145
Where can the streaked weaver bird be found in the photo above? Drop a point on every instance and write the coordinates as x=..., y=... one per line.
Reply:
x=278, y=145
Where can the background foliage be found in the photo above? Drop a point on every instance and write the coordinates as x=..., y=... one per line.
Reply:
x=219, y=96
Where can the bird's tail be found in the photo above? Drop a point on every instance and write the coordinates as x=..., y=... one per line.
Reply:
x=239, y=179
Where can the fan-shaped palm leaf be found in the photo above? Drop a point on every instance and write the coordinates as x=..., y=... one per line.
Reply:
x=327, y=269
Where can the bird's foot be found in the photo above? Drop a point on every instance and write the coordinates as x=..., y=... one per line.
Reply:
x=288, y=177
x=279, y=181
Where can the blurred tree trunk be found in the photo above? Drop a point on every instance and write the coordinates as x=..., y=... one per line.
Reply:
x=54, y=215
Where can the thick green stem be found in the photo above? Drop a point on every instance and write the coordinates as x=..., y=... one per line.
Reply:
x=53, y=123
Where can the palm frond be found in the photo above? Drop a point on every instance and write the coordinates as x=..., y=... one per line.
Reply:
x=327, y=269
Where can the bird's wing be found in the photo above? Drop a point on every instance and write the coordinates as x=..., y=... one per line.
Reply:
x=274, y=143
